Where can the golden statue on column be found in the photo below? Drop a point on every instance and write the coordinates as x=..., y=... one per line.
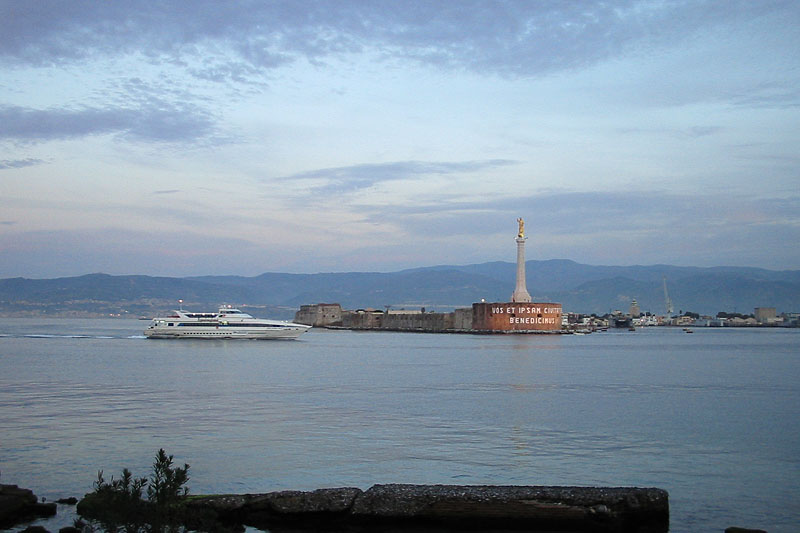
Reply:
x=521, y=292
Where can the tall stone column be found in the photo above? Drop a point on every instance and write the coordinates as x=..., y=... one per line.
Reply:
x=521, y=292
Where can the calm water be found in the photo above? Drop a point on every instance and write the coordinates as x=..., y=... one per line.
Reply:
x=713, y=417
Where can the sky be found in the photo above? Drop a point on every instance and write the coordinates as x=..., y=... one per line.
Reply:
x=234, y=138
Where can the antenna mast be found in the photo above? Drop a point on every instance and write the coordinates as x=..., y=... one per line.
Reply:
x=667, y=300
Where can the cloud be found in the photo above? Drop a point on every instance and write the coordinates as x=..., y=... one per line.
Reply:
x=613, y=227
x=769, y=95
x=568, y=214
x=511, y=38
x=352, y=178
x=19, y=163
x=686, y=133
x=165, y=123
x=416, y=116
x=120, y=251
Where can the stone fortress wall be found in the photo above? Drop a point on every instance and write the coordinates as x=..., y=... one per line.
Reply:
x=518, y=316
x=505, y=317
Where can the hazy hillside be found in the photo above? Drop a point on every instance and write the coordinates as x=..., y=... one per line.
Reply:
x=434, y=288
x=703, y=293
x=563, y=274
x=580, y=288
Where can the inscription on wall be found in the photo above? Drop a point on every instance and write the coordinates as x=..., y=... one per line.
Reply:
x=516, y=316
x=529, y=314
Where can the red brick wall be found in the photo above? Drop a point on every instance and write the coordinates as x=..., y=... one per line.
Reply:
x=515, y=316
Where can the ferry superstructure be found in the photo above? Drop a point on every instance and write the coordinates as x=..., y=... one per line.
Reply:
x=227, y=323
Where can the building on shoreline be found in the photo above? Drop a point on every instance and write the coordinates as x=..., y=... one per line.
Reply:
x=319, y=314
x=521, y=315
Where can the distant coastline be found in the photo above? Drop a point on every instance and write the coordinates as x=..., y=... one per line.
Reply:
x=579, y=288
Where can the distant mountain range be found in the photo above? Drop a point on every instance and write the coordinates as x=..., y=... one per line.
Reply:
x=580, y=288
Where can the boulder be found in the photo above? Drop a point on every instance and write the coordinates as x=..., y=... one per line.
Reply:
x=35, y=529
x=19, y=505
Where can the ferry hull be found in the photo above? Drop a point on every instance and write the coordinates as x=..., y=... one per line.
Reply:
x=224, y=333
x=228, y=323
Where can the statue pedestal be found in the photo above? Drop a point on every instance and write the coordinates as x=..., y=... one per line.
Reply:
x=520, y=291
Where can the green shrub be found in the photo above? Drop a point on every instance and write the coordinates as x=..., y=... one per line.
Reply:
x=126, y=488
x=117, y=505
x=167, y=482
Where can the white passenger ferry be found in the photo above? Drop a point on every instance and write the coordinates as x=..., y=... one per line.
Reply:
x=227, y=323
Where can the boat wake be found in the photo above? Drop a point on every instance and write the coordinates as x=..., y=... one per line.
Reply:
x=66, y=336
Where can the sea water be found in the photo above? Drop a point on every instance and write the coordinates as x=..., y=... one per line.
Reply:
x=713, y=417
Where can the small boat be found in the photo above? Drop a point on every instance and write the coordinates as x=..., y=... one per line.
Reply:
x=227, y=323
x=687, y=330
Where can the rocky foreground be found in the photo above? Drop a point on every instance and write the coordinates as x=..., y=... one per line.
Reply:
x=18, y=505
x=447, y=508
x=396, y=509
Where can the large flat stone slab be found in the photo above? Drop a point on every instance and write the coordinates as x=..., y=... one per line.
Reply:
x=397, y=507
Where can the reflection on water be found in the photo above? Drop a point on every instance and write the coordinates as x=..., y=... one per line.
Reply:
x=711, y=417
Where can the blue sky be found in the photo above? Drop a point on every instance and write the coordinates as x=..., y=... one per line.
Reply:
x=191, y=138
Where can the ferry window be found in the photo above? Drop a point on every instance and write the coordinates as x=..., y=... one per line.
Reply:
x=170, y=324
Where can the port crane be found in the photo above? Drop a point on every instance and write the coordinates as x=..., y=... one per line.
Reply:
x=667, y=299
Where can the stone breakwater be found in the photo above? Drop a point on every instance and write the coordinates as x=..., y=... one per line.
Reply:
x=447, y=507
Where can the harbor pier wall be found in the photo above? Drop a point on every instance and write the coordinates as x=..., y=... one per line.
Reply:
x=502, y=317
x=418, y=321
x=319, y=314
